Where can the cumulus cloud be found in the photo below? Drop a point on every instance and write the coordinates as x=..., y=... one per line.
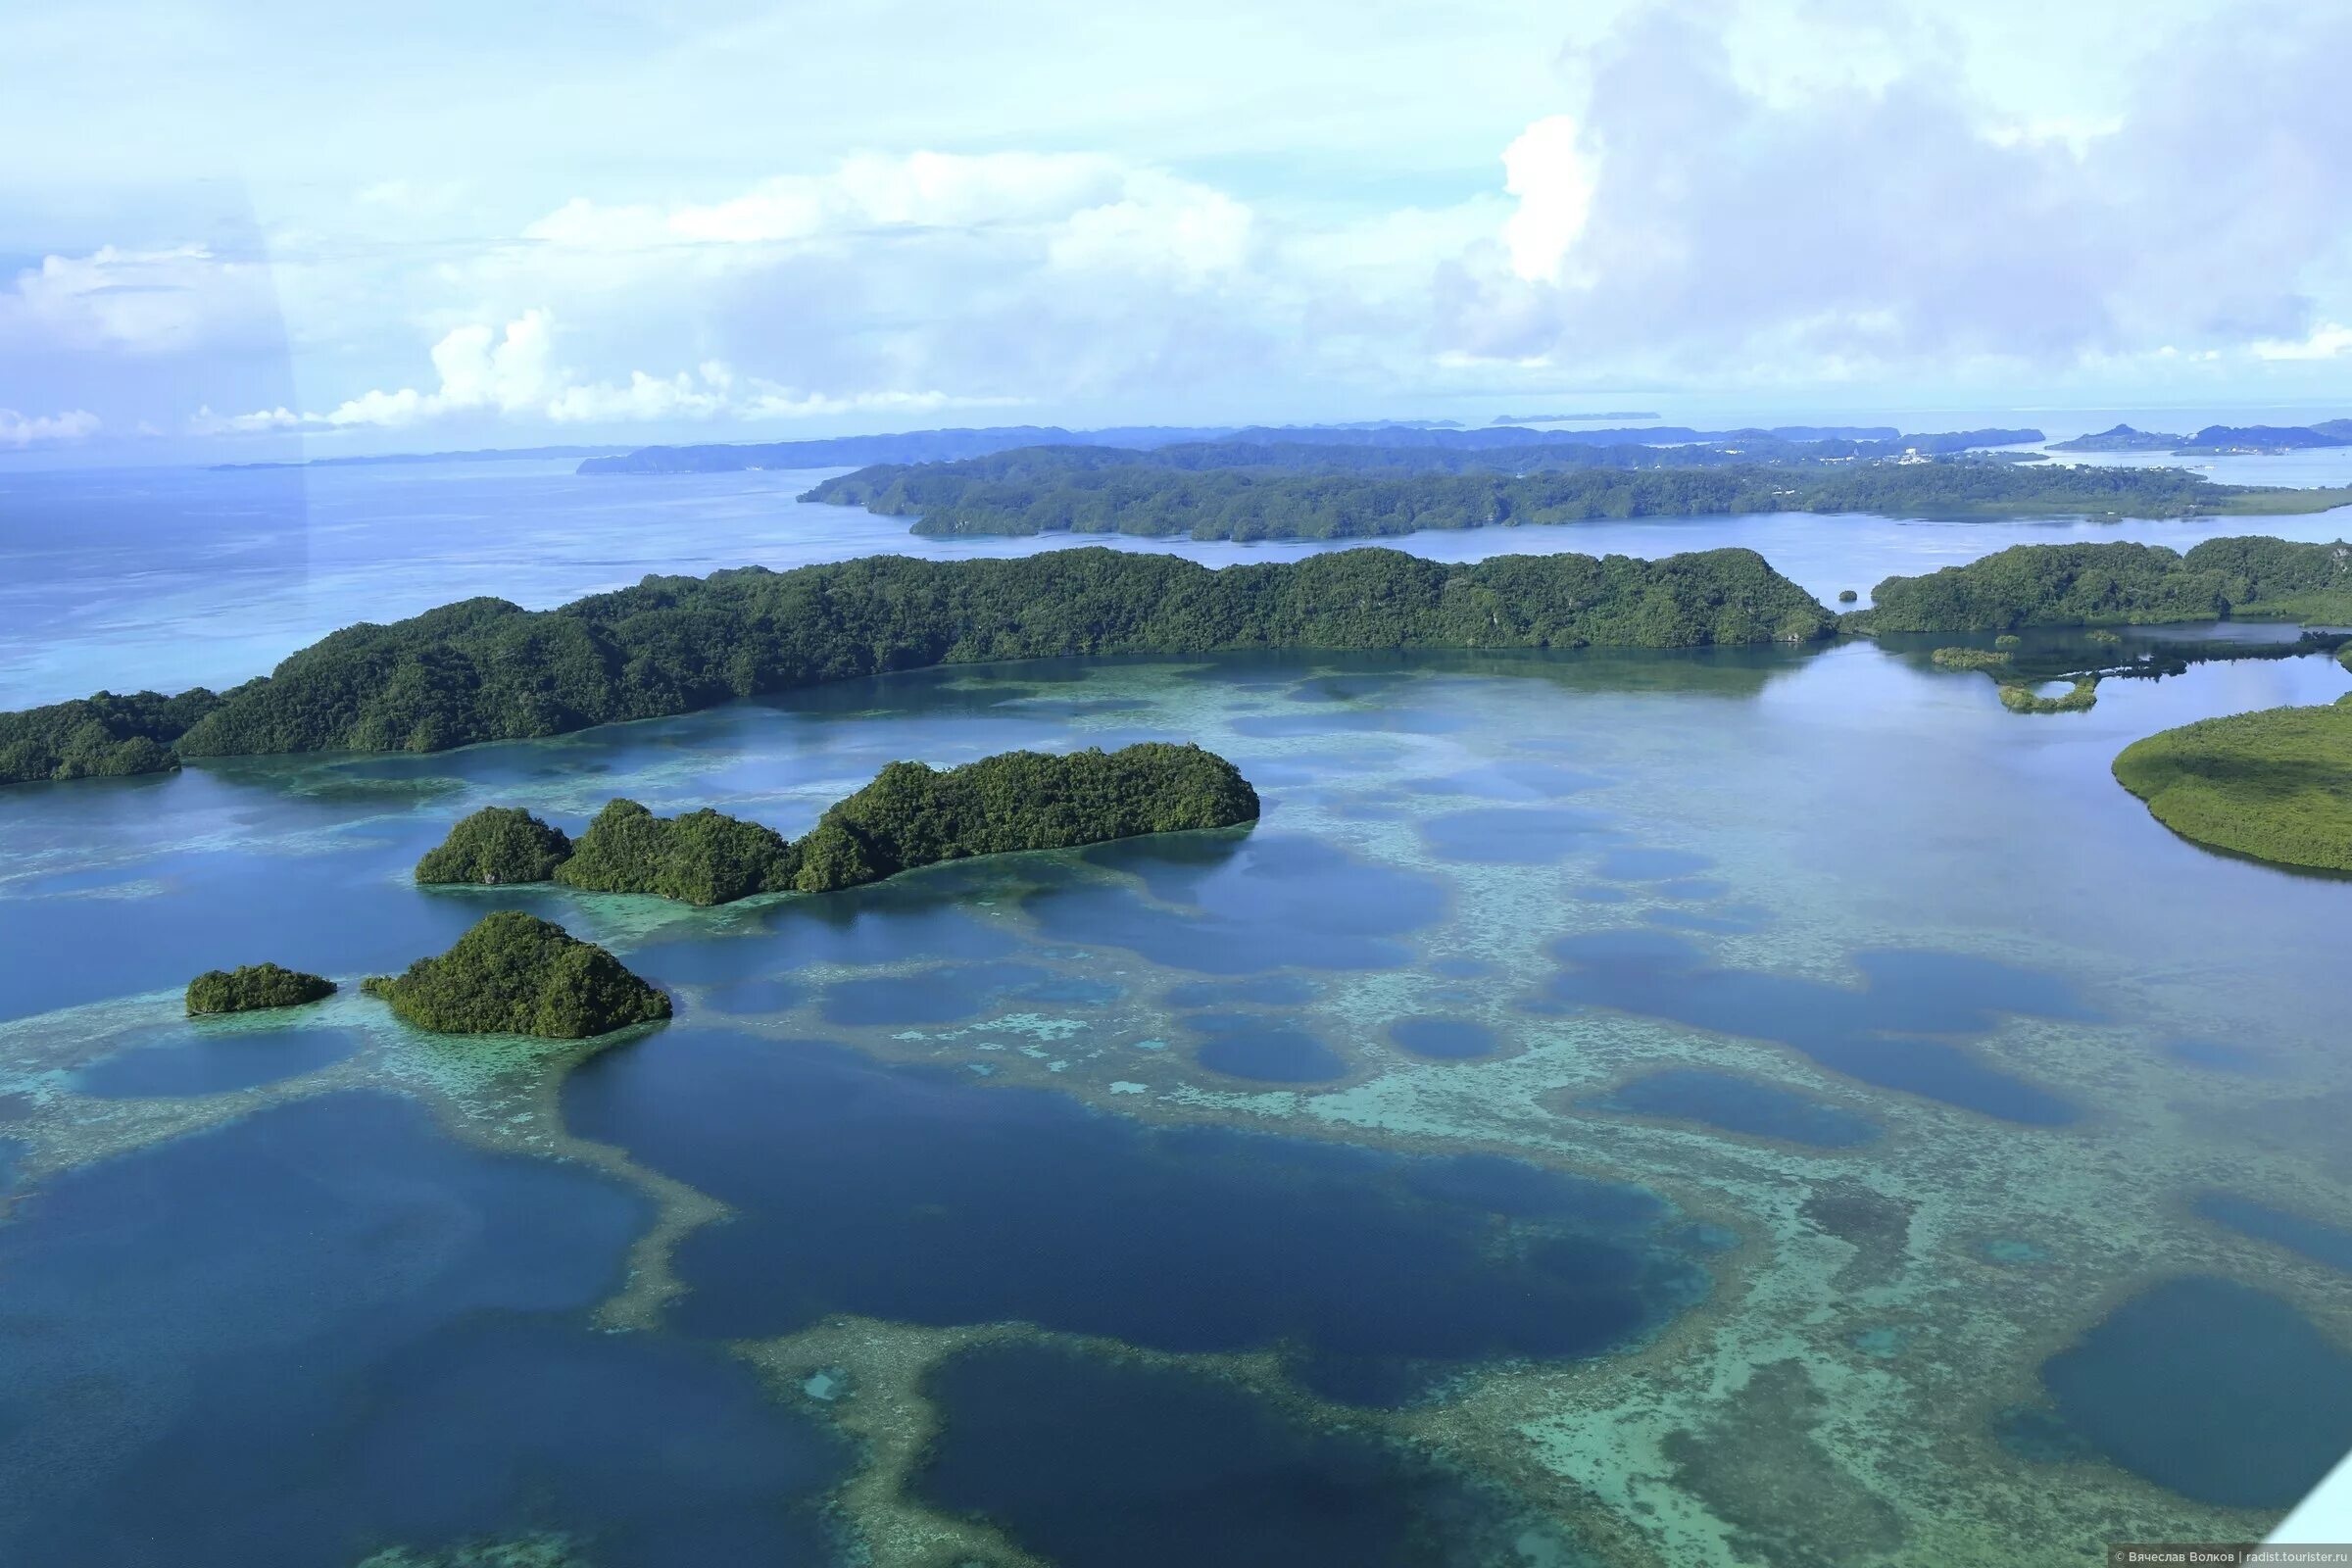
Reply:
x=1693, y=223
x=1550, y=176
x=141, y=302
x=1681, y=213
x=19, y=430
x=511, y=372
x=2328, y=342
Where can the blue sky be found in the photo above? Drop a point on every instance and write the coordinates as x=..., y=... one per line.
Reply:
x=255, y=228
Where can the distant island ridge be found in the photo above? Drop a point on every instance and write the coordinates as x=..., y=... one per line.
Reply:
x=949, y=446
x=1244, y=492
x=1574, y=418
x=2216, y=440
x=477, y=455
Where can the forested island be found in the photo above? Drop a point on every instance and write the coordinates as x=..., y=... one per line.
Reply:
x=515, y=974
x=2216, y=439
x=2275, y=785
x=485, y=670
x=703, y=856
x=494, y=845
x=911, y=816
x=2094, y=584
x=915, y=815
x=1252, y=493
x=253, y=987
x=2122, y=438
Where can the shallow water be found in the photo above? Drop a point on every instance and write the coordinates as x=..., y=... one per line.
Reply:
x=1624, y=1093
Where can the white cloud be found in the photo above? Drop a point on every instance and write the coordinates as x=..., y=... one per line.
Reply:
x=1691, y=222
x=142, y=302
x=48, y=429
x=512, y=372
x=1549, y=171
x=1185, y=231
x=2325, y=343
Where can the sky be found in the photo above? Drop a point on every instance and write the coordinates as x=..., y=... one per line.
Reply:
x=258, y=230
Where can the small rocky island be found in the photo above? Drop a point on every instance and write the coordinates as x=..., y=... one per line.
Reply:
x=915, y=815
x=515, y=974
x=252, y=987
x=703, y=857
x=497, y=844
x=911, y=816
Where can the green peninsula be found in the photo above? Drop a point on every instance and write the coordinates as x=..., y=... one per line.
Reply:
x=911, y=816
x=515, y=974
x=484, y=669
x=2095, y=584
x=252, y=987
x=496, y=844
x=703, y=857
x=98, y=737
x=2275, y=785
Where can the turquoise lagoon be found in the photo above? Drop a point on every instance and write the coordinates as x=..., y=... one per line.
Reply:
x=1764, y=1107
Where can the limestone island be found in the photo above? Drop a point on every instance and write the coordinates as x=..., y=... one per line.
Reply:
x=2275, y=785
x=484, y=669
x=703, y=857
x=253, y=987
x=515, y=974
x=495, y=845
x=2123, y=438
x=911, y=816
x=915, y=815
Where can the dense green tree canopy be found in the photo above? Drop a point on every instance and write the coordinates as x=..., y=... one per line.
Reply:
x=1262, y=492
x=484, y=669
x=516, y=974
x=2275, y=784
x=909, y=816
x=2086, y=584
x=496, y=844
x=251, y=987
x=100, y=736
x=703, y=857
x=915, y=815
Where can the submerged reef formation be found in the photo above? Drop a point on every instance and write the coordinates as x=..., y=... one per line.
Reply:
x=497, y=844
x=911, y=816
x=515, y=974
x=250, y=987
x=703, y=857
x=2085, y=585
x=485, y=670
x=915, y=815
x=2275, y=785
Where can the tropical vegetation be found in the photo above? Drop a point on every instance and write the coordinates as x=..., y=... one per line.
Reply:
x=251, y=987
x=515, y=974
x=485, y=670
x=2089, y=584
x=2275, y=784
x=703, y=856
x=495, y=845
